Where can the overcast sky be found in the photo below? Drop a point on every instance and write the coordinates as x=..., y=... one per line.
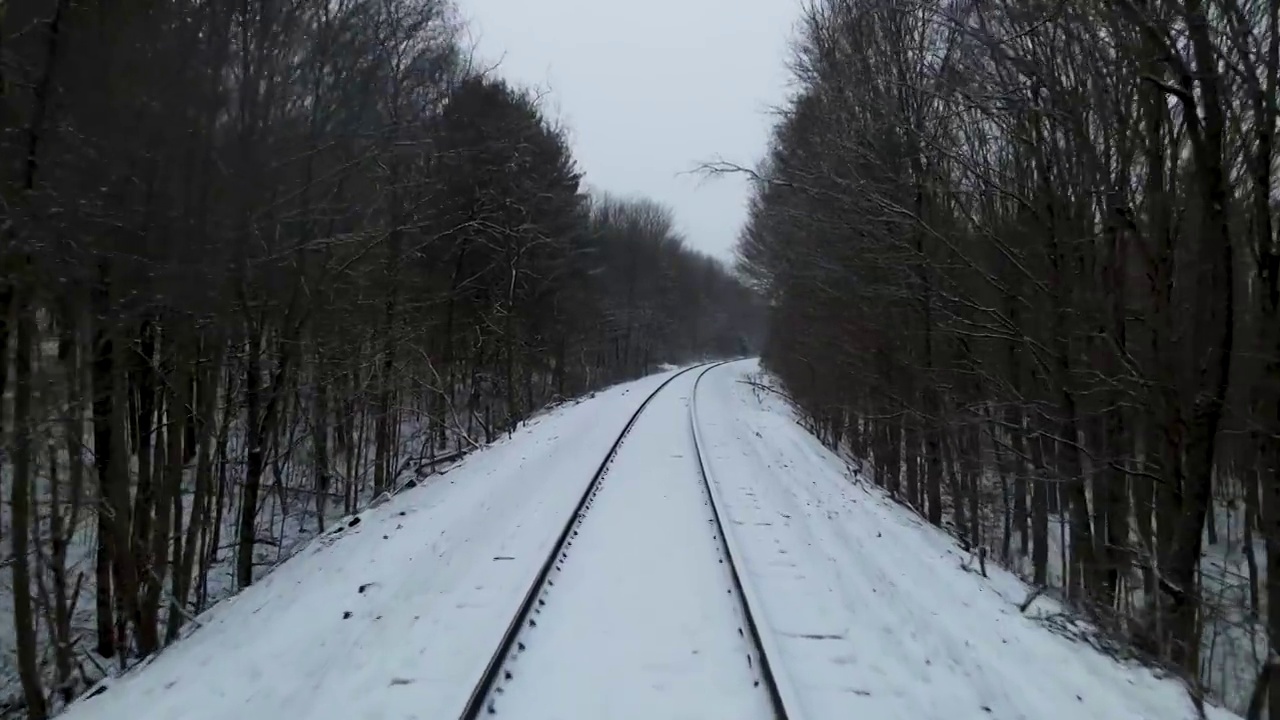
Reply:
x=649, y=88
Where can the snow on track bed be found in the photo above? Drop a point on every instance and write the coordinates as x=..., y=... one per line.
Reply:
x=641, y=620
x=479, y=701
x=869, y=609
x=395, y=616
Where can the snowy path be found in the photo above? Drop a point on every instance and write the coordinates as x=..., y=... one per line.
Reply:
x=641, y=621
x=869, y=608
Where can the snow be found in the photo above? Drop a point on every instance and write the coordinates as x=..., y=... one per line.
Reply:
x=396, y=615
x=286, y=521
x=865, y=611
x=871, y=610
x=641, y=621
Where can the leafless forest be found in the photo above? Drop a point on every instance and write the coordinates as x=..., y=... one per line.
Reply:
x=263, y=262
x=1023, y=256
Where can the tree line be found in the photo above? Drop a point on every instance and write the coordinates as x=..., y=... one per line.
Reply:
x=1021, y=255
x=264, y=262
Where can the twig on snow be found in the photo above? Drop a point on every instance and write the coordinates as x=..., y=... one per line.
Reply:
x=1035, y=593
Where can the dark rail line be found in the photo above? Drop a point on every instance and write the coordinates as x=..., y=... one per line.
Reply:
x=766, y=670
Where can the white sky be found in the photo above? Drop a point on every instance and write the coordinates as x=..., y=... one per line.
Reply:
x=649, y=88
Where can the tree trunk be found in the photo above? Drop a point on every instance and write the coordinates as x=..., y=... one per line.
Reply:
x=24, y=621
x=254, y=465
x=203, y=418
x=103, y=374
x=912, y=460
x=64, y=530
x=170, y=485
x=124, y=567
x=1017, y=454
x=142, y=386
x=322, y=480
x=1039, y=512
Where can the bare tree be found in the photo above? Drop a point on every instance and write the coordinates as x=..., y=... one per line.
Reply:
x=263, y=262
x=1042, y=229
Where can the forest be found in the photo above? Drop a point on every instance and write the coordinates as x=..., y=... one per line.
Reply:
x=1021, y=256
x=264, y=263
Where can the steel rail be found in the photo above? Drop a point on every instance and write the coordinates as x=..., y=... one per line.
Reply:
x=781, y=697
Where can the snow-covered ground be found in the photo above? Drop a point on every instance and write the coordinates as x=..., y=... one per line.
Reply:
x=395, y=613
x=865, y=610
x=871, y=610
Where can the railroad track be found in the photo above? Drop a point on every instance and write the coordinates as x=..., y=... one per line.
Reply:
x=758, y=644
x=482, y=701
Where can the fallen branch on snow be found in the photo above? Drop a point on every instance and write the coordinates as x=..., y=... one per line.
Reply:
x=1035, y=593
